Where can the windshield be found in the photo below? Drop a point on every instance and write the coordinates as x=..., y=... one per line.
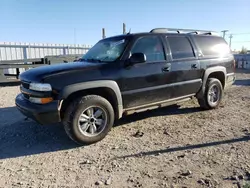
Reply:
x=107, y=50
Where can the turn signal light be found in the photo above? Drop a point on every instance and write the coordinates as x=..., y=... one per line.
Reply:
x=41, y=100
x=46, y=100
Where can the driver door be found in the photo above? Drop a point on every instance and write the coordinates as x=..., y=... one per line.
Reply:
x=144, y=83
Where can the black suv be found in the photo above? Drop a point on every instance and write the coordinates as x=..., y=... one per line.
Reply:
x=125, y=74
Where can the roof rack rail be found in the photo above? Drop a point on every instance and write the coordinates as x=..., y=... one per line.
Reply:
x=195, y=32
x=187, y=31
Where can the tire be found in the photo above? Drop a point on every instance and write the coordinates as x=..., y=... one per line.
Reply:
x=205, y=102
x=75, y=126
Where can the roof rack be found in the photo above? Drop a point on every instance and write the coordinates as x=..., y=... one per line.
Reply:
x=187, y=31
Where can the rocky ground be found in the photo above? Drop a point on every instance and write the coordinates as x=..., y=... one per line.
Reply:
x=169, y=147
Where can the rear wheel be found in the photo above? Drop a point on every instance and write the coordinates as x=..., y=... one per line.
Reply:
x=89, y=119
x=213, y=94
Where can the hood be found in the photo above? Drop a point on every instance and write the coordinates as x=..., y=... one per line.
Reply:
x=39, y=73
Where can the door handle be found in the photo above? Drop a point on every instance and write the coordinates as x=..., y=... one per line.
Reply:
x=194, y=66
x=165, y=69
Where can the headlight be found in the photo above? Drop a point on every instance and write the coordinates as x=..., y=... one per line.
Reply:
x=40, y=87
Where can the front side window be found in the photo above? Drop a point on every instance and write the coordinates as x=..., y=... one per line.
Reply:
x=180, y=47
x=151, y=46
x=107, y=50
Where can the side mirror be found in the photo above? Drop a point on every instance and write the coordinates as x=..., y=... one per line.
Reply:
x=137, y=58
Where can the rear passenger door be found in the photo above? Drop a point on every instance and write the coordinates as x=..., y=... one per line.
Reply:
x=185, y=69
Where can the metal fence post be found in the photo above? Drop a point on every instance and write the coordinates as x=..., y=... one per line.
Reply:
x=64, y=51
x=25, y=54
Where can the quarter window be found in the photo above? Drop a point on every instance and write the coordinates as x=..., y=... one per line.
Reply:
x=180, y=47
x=151, y=46
x=212, y=46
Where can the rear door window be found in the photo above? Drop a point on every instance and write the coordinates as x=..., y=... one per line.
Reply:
x=180, y=47
x=212, y=46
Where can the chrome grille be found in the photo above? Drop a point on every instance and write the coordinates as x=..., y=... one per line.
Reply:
x=26, y=96
x=26, y=85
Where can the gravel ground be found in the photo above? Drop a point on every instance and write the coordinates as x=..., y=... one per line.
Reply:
x=169, y=147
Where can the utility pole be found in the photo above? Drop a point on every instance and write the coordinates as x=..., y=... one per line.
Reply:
x=124, y=28
x=230, y=40
x=103, y=33
x=74, y=36
x=224, y=33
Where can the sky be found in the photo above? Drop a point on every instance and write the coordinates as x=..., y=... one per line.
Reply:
x=81, y=21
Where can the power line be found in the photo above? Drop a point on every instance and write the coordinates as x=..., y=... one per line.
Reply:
x=239, y=34
x=241, y=41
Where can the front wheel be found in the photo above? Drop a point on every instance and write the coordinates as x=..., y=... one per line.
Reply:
x=89, y=119
x=213, y=94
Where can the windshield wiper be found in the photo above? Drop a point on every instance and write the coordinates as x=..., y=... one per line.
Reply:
x=92, y=60
x=82, y=59
x=98, y=60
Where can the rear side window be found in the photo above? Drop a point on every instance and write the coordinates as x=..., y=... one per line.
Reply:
x=180, y=47
x=212, y=46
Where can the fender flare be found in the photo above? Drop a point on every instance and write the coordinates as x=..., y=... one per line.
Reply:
x=68, y=90
x=207, y=72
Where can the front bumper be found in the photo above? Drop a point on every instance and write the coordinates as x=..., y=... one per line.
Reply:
x=41, y=113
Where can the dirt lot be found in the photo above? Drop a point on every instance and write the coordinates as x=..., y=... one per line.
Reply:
x=176, y=147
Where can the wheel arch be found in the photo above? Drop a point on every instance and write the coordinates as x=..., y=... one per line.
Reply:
x=218, y=72
x=107, y=89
